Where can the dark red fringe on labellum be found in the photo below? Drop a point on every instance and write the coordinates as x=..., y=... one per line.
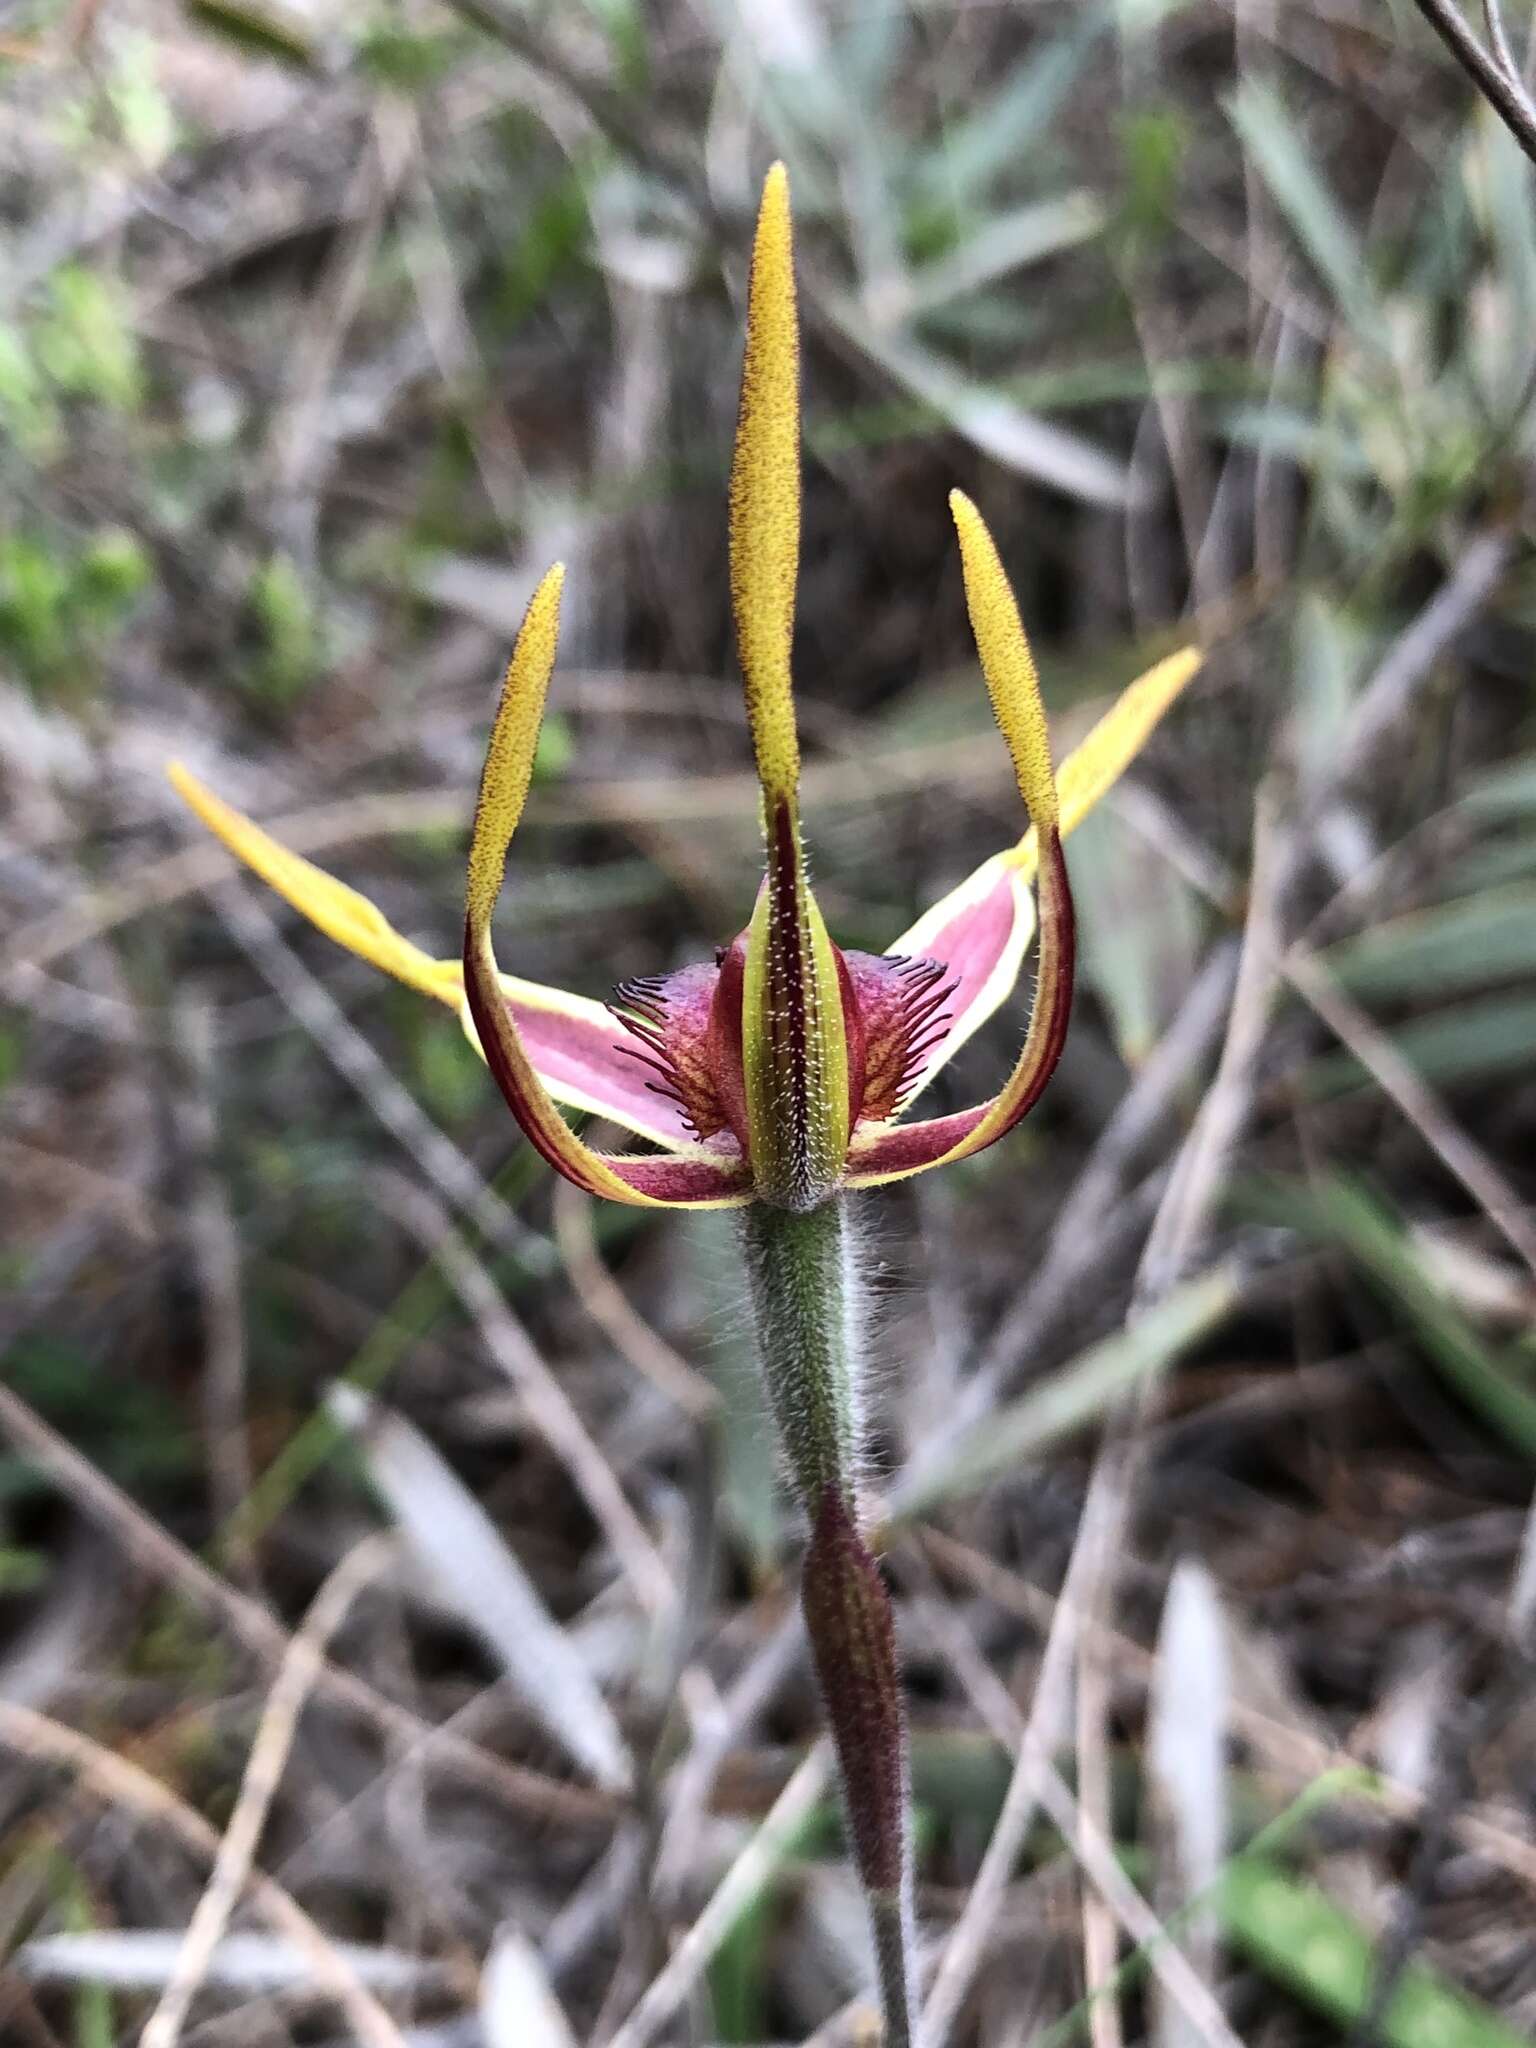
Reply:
x=689, y=1023
x=902, y=1012
x=671, y=1015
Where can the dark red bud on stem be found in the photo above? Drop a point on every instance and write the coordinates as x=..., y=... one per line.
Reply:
x=853, y=1641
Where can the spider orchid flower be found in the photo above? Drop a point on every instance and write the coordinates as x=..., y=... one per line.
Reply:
x=783, y=1070
x=780, y=1075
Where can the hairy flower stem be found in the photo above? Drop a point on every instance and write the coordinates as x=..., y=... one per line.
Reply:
x=805, y=1299
x=803, y=1303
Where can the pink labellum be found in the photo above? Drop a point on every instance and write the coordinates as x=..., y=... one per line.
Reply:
x=702, y=1179
x=577, y=1049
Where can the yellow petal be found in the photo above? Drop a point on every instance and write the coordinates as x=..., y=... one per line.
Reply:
x=698, y=1181
x=341, y=913
x=765, y=495
x=1098, y=764
x=900, y=1150
x=1082, y=779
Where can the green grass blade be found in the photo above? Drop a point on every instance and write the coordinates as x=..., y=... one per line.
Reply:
x=1077, y=1397
x=1343, y=1214
x=1477, y=1041
x=1271, y=134
x=1486, y=937
x=1296, y=1935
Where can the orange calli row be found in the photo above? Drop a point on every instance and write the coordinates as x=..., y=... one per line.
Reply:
x=784, y=1071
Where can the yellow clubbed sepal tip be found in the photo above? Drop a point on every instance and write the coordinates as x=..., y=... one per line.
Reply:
x=765, y=494
x=508, y=770
x=1006, y=662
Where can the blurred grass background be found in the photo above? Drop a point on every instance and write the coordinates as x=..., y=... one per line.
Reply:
x=322, y=331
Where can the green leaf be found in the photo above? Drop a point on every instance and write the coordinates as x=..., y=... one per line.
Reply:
x=113, y=570
x=739, y=1968
x=136, y=1432
x=1476, y=1041
x=1342, y=1213
x=28, y=415
x=1079, y=1396
x=407, y=60
x=286, y=619
x=1510, y=790
x=1153, y=141
x=981, y=142
x=1331, y=648
x=1139, y=929
x=1487, y=937
x=1296, y=1935
x=266, y=30
x=450, y=1077
x=1272, y=136
x=84, y=342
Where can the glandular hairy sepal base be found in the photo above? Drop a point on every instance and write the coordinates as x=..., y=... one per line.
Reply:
x=794, y=1036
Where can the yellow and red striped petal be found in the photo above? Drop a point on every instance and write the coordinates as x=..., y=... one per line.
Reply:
x=701, y=1181
x=982, y=929
x=574, y=1043
x=890, y=1152
x=896, y=1151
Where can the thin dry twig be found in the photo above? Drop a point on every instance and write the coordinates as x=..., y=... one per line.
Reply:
x=1033, y=1745
x=297, y=443
x=118, y=1782
x=1181, y=1221
x=1387, y=701
x=104, y=1502
x=1094, y=1206
x=690, y=1958
x=1411, y=1093
x=1091, y=1846
x=264, y=1768
x=214, y=1244
x=749, y=1697
x=1287, y=1748
x=1496, y=77
x=1199, y=1174
x=549, y=1407
x=970, y=764
x=609, y=1307
x=1101, y=1941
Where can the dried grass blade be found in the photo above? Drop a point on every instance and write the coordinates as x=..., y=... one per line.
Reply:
x=471, y=1569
